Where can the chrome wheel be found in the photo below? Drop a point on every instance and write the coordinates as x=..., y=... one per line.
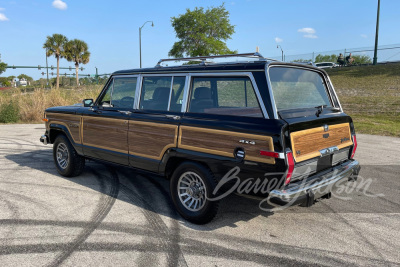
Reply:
x=192, y=191
x=62, y=155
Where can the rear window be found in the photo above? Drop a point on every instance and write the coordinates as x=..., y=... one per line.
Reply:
x=298, y=88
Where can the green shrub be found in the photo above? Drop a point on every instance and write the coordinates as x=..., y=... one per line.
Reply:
x=9, y=113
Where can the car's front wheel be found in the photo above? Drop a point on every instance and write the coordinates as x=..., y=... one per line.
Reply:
x=66, y=159
x=191, y=187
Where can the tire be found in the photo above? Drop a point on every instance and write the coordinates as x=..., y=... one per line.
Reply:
x=66, y=159
x=190, y=184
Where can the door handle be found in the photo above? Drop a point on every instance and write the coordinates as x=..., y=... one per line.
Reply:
x=173, y=117
x=125, y=112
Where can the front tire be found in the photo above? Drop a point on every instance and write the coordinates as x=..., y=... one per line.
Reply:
x=191, y=185
x=68, y=162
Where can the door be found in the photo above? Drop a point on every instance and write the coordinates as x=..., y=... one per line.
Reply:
x=153, y=128
x=105, y=125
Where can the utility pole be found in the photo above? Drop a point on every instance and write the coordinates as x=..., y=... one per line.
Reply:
x=97, y=76
x=376, y=34
x=47, y=69
x=140, y=40
x=281, y=50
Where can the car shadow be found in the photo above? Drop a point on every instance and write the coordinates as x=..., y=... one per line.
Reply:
x=146, y=191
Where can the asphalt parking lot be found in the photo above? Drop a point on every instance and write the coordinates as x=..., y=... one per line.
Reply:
x=114, y=216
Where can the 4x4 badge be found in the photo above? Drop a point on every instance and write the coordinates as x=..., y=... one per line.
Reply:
x=247, y=142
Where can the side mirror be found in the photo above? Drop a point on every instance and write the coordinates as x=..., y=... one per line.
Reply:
x=87, y=102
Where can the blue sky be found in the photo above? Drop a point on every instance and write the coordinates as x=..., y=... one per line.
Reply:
x=111, y=28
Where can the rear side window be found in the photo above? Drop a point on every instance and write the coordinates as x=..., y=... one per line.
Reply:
x=298, y=88
x=162, y=93
x=224, y=95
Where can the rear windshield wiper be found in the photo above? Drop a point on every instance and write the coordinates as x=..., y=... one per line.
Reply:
x=319, y=110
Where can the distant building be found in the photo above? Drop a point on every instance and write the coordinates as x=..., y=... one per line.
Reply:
x=22, y=82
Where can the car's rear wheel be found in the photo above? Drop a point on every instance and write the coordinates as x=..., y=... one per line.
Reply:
x=66, y=159
x=191, y=187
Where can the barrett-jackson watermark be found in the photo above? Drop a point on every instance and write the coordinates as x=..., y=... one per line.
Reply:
x=341, y=189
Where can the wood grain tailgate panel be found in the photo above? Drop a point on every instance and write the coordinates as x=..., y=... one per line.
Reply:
x=224, y=143
x=306, y=144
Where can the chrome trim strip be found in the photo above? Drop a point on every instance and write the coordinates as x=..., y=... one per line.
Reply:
x=271, y=94
x=138, y=92
x=334, y=92
x=170, y=93
x=248, y=74
x=328, y=151
x=186, y=93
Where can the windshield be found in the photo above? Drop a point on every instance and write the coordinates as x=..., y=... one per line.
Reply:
x=298, y=88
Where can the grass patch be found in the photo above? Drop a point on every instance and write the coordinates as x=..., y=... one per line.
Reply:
x=371, y=95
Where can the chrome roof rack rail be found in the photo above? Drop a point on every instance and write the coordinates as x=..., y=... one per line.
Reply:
x=203, y=59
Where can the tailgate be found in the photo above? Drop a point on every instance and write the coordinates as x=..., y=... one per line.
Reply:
x=311, y=143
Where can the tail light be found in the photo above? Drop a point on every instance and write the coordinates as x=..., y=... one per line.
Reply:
x=290, y=164
x=354, y=146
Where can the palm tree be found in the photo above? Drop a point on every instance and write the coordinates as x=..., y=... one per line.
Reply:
x=77, y=51
x=55, y=46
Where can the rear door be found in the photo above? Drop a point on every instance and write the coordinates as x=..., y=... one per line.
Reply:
x=153, y=127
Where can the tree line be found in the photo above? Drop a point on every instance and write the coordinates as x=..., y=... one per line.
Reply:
x=75, y=50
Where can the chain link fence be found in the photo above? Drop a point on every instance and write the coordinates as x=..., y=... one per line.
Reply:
x=362, y=55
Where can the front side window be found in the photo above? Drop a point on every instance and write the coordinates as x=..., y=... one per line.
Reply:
x=298, y=88
x=120, y=93
x=225, y=96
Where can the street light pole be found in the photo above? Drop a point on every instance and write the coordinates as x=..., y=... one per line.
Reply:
x=47, y=69
x=140, y=40
x=376, y=35
x=281, y=50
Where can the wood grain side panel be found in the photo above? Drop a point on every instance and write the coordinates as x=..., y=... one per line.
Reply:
x=105, y=133
x=224, y=143
x=151, y=140
x=71, y=121
x=306, y=144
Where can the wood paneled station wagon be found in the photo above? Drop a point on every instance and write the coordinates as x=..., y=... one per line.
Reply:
x=210, y=128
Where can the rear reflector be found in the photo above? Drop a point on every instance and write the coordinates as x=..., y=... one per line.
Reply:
x=354, y=146
x=290, y=163
x=269, y=154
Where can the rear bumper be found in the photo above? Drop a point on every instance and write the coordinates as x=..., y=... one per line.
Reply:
x=320, y=185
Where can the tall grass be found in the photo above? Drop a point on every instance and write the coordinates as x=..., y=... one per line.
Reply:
x=31, y=105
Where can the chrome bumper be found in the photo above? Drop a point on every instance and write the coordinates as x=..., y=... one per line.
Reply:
x=44, y=139
x=317, y=186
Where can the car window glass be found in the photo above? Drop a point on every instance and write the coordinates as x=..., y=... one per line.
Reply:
x=155, y=93
x=123, y=95
x=224, y=95
x=106, y=98
x=177, y=93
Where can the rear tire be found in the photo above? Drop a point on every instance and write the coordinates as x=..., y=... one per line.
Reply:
x=68, y=162
x=191, y=185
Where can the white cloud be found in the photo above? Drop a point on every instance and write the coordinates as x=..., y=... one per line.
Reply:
x=59, y=4
x=3, y=17
x=309, y=33
x=278, y=40
x=364, y=36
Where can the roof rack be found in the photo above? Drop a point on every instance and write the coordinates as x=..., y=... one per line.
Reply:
x=203, y=59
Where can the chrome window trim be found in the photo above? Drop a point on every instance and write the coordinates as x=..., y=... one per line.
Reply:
x=139, y=87
x=186, y=93
x=271, y=94
x=229, y=74
x=170, y=93
x=334, y=92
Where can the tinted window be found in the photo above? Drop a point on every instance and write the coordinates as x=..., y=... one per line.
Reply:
x=224, y=95
x=297, y=88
